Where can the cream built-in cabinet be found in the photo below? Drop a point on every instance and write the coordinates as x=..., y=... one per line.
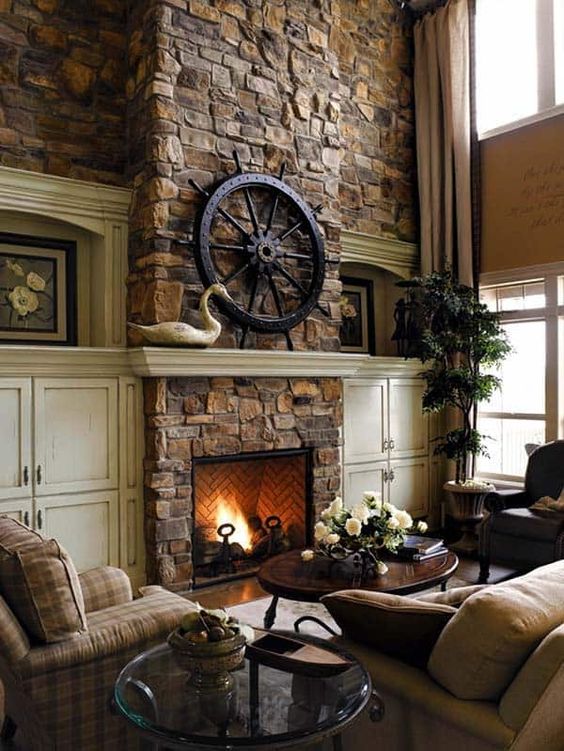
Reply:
x=386, y=440
x=69, y=465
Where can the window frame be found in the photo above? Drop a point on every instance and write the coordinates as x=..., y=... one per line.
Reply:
x=553, y=315
x=546, y=74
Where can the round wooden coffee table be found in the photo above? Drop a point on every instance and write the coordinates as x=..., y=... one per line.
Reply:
x=288, y=576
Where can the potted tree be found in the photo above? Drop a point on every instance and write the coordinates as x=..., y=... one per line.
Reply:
x=461, y=341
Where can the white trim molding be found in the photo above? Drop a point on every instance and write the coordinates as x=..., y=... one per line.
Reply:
x=101, y=210
x=521, y=274
x=87, y=205
x=68, y=362
x=149, y=362
x=399, y=257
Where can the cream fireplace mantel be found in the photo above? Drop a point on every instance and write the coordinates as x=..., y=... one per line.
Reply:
x=160, y=361
x=149, y=362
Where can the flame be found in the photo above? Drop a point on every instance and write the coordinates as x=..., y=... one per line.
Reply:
x=229, y=514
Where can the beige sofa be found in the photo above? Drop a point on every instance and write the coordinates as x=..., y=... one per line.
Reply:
x=420, y=714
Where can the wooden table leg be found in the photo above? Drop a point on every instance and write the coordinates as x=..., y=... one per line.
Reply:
x=338, y=742
x=270, y=615
x=443, y=586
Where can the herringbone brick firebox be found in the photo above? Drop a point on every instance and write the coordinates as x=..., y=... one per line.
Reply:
x=260, y=502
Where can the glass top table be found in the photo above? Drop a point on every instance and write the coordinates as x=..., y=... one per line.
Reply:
x=263, y=707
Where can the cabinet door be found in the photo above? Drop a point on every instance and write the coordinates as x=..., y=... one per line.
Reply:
x=365, y=424
x=409, y=485
x=20, y=510
x=75, y=435
x=15, y=426
x=409, y=432
x=85, y=524
x=361, y=477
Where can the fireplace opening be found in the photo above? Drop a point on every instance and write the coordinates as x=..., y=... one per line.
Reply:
x=248, y=508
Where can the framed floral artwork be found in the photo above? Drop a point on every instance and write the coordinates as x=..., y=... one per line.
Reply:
x=37, y=290
x=357, y=316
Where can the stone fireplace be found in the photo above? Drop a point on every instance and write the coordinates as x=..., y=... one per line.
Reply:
x=322, y=88
x=247, y=508
x=288, y=428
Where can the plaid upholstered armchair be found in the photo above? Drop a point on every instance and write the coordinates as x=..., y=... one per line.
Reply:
x=61, y=647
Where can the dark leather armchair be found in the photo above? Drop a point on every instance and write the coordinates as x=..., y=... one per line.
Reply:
x=515, y=536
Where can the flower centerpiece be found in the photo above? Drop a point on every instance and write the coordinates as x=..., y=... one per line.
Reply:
x=362, y=531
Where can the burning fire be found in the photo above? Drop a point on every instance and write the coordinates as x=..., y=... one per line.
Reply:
x=228, y=514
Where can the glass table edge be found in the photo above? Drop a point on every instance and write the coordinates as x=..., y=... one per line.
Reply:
x=282, y=740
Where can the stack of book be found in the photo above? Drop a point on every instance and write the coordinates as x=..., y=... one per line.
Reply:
x=417, y=548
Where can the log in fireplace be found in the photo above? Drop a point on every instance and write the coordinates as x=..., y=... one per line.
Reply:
x=247, y=508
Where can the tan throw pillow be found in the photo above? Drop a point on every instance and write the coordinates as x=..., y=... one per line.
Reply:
x=397, y=626
x=494, y=632
x=39, y=582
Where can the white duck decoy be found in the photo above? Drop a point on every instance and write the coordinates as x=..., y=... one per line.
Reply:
x=178, y=334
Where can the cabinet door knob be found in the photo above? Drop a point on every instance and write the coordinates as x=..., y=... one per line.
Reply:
x=392, y=445
x=26, y=517
x=26, y=475
x=40, y=519
x=386, y=445
x=39, y=474
x=391, y=475
x=385, y=475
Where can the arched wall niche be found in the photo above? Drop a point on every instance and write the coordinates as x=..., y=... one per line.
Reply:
x=96, y=218
x=383, y=261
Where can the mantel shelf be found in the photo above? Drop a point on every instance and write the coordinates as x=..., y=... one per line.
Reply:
x=161, y=361
x=151, y=362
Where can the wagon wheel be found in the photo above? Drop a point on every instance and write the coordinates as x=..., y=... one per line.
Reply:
x=259, y=238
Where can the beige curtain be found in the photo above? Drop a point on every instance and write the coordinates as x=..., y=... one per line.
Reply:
x=442, y=115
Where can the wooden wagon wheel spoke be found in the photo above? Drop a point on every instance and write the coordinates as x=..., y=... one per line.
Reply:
x=291, y=279
x=252, y=211
x=274, y=204
x=226, y=215
x=224, y=246
x=276, y=294
x=253, y=293
x=234, y=274
x=285, y=235
x=300, y=256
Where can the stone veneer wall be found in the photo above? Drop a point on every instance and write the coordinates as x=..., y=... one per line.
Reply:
x=62, y=87
x=324, y=86
x=192, y=417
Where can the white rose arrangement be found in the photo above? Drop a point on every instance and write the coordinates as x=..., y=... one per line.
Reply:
x=365, y=528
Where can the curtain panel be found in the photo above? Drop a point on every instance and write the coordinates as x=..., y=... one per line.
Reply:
x=442, y=116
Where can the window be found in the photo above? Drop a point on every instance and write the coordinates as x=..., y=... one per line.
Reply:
x=526, y=409
x=519, y=60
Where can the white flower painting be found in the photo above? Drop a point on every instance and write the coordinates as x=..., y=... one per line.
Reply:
x=37, y=287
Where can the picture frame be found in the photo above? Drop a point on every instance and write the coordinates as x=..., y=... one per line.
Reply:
x=38, y=286
x=357, y=311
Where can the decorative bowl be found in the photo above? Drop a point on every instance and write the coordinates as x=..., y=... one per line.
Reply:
x=209, y=663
